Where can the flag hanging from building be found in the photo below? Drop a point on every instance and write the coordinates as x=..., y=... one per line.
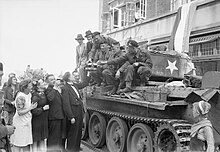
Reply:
x=179, y=40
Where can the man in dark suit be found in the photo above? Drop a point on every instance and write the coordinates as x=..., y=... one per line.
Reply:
x=56, y=115
x=74, y=111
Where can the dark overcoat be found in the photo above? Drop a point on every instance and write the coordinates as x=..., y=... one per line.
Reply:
x=73, y=108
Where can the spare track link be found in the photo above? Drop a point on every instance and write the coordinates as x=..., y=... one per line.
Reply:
x=181, y=128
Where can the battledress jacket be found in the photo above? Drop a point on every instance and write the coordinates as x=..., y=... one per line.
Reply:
x=141, y=56
x=96, y=45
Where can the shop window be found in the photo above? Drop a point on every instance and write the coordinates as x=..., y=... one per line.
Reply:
x=194, y=50
x=207, y=48
x=218, y=45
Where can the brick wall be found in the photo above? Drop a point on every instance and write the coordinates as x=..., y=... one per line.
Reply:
x=163, y=6
x=151, y=8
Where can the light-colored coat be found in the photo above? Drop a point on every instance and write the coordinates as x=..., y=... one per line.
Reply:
x=81, y=56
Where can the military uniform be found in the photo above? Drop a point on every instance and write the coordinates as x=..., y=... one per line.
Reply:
x=96, y=45
x=143, y=70
x=129, y=70
x=109, y=72
x=101, y=54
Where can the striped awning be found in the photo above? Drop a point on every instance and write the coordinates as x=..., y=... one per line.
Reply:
x=204, y=39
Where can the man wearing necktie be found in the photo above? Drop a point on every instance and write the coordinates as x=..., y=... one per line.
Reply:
x=74, y=111
x=55, y=116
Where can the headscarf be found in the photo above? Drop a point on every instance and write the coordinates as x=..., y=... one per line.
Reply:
x=202, y=107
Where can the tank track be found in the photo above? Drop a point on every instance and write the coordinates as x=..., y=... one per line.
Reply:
x=180, y=128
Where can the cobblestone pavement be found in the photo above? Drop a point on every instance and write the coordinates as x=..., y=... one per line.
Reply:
x=86, y=149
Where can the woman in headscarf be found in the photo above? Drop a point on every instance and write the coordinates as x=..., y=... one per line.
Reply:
x=22, y=137
x=202, y=138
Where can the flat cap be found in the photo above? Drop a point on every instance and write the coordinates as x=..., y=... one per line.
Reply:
x=132, y=43
x=1, y=66
x=95, y=33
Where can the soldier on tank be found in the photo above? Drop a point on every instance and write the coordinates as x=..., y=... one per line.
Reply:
x=97, y=41
x=136, y=63
x=110, y=70
x=101, y=54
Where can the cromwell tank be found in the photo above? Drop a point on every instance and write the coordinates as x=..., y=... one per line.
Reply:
x=156, y=117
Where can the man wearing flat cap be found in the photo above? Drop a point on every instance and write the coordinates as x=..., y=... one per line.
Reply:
x=81, y=56
x=97, y=40
x=135, y=61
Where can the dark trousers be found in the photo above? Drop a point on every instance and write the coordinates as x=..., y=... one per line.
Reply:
x=97, y=75
x=143, y=72
x=54, y=137
x=109, y=76
x=74, y=131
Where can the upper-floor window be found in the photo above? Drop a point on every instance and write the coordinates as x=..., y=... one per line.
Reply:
x=123, y=16
x=116, y=17
x=127, y=13
x=140, y=10
x=130, y=10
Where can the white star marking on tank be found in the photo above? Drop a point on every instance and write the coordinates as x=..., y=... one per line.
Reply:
x=172, y=66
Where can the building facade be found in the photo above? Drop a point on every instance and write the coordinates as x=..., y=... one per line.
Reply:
x=151, y=23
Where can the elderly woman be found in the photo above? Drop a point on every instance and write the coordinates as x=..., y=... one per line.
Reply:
x=202, y=138
x=22, y=137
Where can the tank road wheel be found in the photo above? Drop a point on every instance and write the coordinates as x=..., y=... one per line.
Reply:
x=166, y=139
x=140, y=138
x=97, y=126
x=85, y=125
x=116, y=135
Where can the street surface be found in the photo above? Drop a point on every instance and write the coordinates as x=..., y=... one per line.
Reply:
x=86, y=149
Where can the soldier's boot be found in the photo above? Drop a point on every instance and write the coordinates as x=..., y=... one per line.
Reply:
x=127, y=88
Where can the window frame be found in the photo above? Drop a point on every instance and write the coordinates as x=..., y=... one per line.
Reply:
x=118, y=18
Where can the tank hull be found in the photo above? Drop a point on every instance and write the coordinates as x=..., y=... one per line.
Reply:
x=160, y=110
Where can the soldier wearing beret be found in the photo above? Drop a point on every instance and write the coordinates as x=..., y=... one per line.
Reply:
x=136, y=62
x=97, y=41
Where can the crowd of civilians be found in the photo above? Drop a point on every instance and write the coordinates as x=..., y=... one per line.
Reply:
x=42, y=115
